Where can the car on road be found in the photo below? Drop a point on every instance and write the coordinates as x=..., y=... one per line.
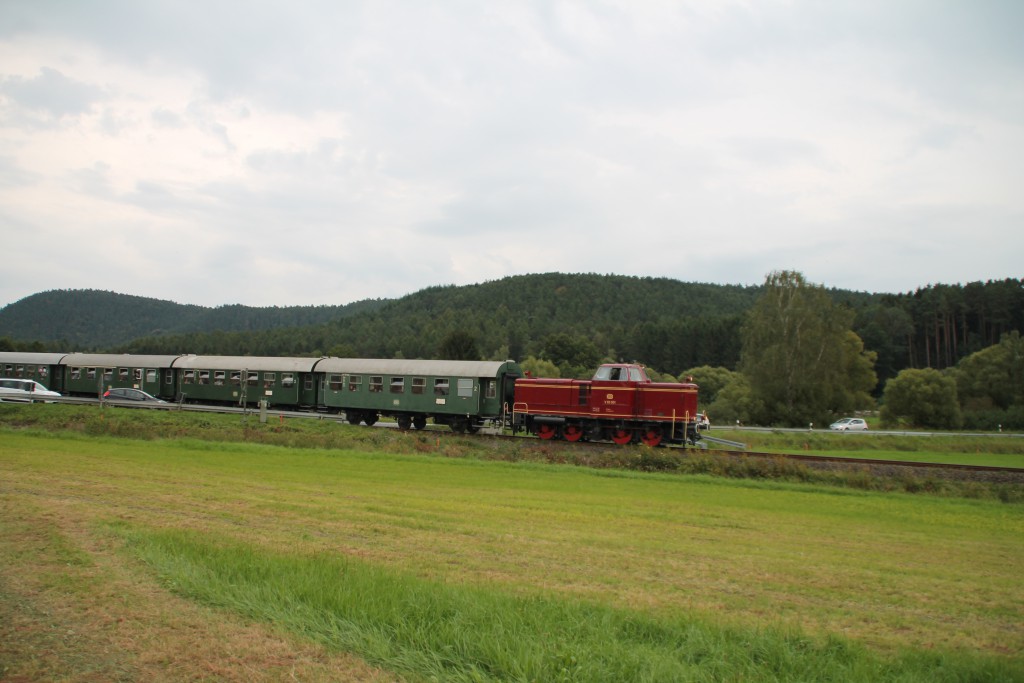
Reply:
x=849, y=424
x=702, y=421
x=24, y=391
x=134, y=395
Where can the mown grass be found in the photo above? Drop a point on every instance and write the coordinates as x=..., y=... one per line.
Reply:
x=747, y=579
x=454, y=632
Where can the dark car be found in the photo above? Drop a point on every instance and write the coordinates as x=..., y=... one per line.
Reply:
x=135, y=395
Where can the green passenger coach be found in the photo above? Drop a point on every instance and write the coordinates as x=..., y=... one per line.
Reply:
x=247, y=380
x=90, y=374
x=461, y=394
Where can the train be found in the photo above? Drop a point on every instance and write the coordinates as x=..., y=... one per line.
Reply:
x=619, y=403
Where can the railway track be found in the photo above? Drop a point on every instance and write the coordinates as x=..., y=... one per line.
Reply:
x=834, y=460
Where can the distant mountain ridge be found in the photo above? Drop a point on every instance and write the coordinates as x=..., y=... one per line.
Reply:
x=90, y=319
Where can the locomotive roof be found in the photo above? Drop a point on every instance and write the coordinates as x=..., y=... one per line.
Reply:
x=403, y=366
x=118, y=360
x=267, y=363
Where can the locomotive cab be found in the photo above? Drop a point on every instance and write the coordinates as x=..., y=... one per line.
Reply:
x=614, y=372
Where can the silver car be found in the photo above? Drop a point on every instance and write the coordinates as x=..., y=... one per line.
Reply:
x=849, y=424
x=24, y=391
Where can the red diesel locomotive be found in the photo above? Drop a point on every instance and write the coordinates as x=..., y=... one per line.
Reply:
x=619, y=404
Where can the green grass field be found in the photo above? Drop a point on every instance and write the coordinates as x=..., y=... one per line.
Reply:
x=427, y=566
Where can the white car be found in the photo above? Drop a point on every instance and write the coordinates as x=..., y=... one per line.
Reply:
x=849, y=424
x=24, y=390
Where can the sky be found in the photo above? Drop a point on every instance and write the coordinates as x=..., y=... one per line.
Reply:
x=322, y=152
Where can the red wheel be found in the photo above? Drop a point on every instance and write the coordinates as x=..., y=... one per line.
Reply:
x=546, y=431
x=651, y=437
x=621, y=436
x=572, y=432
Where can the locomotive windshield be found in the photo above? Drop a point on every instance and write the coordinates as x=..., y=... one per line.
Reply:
x=621, y=373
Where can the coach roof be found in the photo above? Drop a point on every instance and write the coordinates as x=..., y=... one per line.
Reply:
x=254, y=363
x=117, y=360
x=406, y=367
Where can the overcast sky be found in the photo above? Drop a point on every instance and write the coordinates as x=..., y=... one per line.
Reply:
x=295, y=153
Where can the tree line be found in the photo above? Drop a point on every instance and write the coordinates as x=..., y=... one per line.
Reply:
x=566, y=324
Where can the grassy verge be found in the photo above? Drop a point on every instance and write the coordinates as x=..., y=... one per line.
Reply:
x=328, y=434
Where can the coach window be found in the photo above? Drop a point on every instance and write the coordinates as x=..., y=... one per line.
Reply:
x=355, y=382
x=8, y=369
x=204, y=376
x=43, y=371
x=218, y=377
x=489, y=387
x=76, y=373
x=376, y=384
x=108, y=374
x=90, y=373
x=122, y=374
x=151, y=375
x=253, y=379
x=188, y=377
x=334, y=382
x=441, y=386
x=307, y=383
x=168, y=376
x=268, y=379
x=19, y=371
x=287, y=379
x=137, y=374
x=397, y=385
x=465, y=388
x=419, y=385
x=236, y=378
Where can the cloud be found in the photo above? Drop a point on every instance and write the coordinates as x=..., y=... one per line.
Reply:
x=324, y=152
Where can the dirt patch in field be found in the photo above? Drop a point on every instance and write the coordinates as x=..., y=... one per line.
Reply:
x=74, y=609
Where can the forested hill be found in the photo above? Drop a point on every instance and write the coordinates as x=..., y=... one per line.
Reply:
x=580, y=318
x=82, y=320
x=574, y=320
